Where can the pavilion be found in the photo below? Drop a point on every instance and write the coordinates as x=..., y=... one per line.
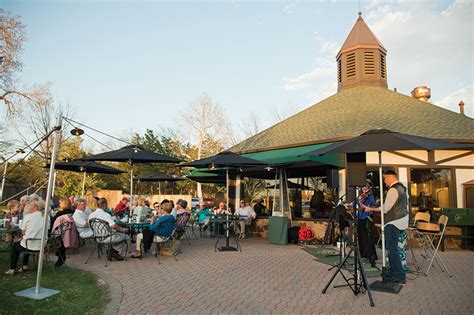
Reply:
x=364, y=102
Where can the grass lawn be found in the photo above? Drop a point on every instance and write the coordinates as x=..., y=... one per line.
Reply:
x=80, y=291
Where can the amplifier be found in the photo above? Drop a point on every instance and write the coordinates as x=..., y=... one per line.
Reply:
x=458, y=216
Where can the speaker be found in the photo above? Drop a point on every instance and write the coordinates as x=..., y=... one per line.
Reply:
x=332, y=178
x=356, y=169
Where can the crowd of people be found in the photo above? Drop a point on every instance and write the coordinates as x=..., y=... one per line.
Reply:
x=28, y=215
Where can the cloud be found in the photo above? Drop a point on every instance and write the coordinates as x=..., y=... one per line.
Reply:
x=426, y=44
x=289, y=9
x=451, y=101
x=321, y=71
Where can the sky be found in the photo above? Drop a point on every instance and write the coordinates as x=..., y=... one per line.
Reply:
x=135, y=65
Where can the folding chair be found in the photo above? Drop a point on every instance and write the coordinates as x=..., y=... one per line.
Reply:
x=412, y=232
x=103, y=235
x=429, y=241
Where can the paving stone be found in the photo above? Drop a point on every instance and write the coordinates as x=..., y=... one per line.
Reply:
x=264, y=279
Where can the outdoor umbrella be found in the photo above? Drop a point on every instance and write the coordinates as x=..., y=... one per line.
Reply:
x=132, y=154
x=225, y=159
x=160, y=177
x=379, y=140
x=86, y=167
x=291, y=185
x=205, y=177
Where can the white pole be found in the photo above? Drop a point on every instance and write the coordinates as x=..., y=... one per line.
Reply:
x=227, y=187
x=382, y=216
x=57, y=134
x=131, y=195
x=274, y=191
x=54, y=183
x=83, y=184
x=3, y=180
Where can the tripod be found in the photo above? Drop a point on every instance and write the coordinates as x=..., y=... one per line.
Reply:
x=353, y=282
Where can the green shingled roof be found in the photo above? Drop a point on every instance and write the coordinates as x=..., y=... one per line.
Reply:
x=353, y=111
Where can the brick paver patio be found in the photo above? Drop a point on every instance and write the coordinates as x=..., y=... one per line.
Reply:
x=266, y=278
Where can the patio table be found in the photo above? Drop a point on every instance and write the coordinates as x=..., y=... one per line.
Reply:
x=226, y=221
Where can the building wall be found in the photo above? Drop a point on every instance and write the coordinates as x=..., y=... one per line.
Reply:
x=462, y=176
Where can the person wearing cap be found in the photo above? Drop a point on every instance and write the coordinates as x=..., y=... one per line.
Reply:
x=364, y=225
x=180, y=208
x=395, y=209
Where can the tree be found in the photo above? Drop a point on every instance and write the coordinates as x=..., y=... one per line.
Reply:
x=251, y=126
x=12, y=37
x=207, y=129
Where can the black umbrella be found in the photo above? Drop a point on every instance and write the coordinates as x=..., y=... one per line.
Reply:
x=160, y=177
x=132, y=154
x=291, y=185
x=385, y=140
x=86, y=167
x=225, y=159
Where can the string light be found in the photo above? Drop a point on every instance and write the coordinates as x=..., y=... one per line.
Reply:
x=77, y=132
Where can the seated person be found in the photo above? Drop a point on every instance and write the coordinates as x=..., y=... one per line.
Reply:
x=180, y=208
x=139, y=212
x=259, y=208
x=64, y=208
x=203, y=214
x=121, y=207
x=222, y=209
x=119, y=239
x=32, y=228
x=246, y=211
x=13, y=207
x=156, y=209
x=81, y=218
x=155, y=227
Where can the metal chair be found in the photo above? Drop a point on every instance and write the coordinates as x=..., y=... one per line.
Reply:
x=167, y=231
x=103, y=235
x=181, y=222
x=429, y=241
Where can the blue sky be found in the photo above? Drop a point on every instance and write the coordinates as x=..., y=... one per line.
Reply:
x=128, y=66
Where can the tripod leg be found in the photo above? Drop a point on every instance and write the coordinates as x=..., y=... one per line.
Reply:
x=364, y=278
x=336, y=272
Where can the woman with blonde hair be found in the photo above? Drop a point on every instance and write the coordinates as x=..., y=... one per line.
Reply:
x=32, y=228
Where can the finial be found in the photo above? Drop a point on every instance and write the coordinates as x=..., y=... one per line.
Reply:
x=360, y=14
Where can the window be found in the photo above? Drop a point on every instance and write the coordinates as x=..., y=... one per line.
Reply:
x=430, y=189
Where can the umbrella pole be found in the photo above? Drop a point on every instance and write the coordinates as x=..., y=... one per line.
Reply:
x=54, y=183
x=131, y=194
x=83, y=184
x=227, y=188
x=384, y=269
x=3, y=180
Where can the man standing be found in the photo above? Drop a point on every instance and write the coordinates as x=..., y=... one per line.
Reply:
x=246, y=211
x=396, y=221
